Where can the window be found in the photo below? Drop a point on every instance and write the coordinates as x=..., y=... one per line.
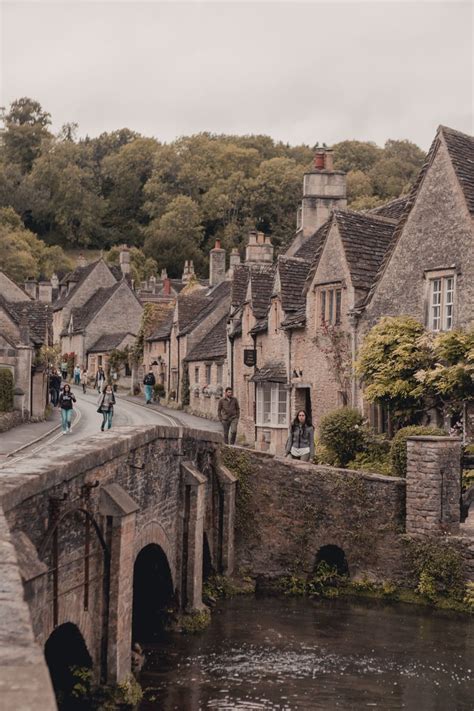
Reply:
x=330, y=305
x=208, y=374
x=220, y=369
x=272, y=401
x=441, y=303
x=196, y=374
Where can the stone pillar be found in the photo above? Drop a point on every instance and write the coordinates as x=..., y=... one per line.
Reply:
x=228, y=483
x=117, y=504
x=433, y=485
x=195, y=485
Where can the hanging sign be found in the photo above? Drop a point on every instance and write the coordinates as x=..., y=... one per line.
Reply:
x=249, y=357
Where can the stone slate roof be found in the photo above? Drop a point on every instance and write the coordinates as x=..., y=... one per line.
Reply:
x=83, y=315
x=240, y=280
x=461, y=151
x=270, y=372
x=295, y=320
x=109, y=342
x=195, y=306
x=393, y=210
x=261, y=283
x=37, y=314
x=260, y=326
x=292, y=272
x=312, y=246
x=164, y=320
x=214, y=344
x=79, y=275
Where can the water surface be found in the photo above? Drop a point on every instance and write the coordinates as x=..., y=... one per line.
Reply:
x=286, y=654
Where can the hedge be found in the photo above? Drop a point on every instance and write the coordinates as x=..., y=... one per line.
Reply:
x=6, y=390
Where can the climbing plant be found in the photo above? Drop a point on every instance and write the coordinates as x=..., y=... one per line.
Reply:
x=6, y=390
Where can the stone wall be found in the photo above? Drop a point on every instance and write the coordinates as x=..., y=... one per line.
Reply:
x=9, y=420
x=287, y=510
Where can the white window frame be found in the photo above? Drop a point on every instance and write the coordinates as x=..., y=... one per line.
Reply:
x=272, y=405
x=208, y=373
x=441, y=297
x=329, y=304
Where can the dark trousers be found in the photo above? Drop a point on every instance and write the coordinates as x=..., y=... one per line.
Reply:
x=230, y=431
x=54, y=394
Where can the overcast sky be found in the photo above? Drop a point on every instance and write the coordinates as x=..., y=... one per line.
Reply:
x=299, y=71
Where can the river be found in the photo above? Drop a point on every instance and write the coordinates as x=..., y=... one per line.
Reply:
x=291, y=654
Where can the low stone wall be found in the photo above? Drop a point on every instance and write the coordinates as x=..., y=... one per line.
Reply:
x=287, y=510
x=8, y=420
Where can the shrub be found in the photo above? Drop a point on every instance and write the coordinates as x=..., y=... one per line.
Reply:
x=398, y=449
x=159, y=390
x=375, y=456
x=343, y=434
x=6, y=390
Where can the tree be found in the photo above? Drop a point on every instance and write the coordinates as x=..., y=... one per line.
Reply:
x=25, y=129
x=356, y=155
x=176, y=236
x=391, y=356
x=23, y=255
x=359, y=185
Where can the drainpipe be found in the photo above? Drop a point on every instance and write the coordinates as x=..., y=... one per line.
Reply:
x=231, y=363
x=179, y=370
x=254, y=338
x=353, y=320
x=169, y=368
x=288, y=414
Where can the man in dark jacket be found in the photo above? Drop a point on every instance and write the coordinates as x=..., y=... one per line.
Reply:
x=54, y=386
x=228, y=412
x=149, y=382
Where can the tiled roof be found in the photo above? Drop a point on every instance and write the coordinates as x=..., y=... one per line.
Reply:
x=292, y=272
x=240, y=280
x=37, y=314
x=79, y=275
x=83, y=315
x=295, y=320
x=109, y=342
x=461, y=151
x=312, y=246
x=260, y=326
x=366, y=240
x=214, y=344
x=162, y=326
x=270, y=372
x=392, y=210
x=261, y=280
x=194, y=307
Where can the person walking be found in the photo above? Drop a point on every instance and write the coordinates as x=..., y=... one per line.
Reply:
x=106, y=407
x=228, y=412
x=149, y=381
x=300, y=442
x=84, y=376
x=54, y=387
x=66, y=400
x=64, y=369
x=77, y=375
x=99, y=380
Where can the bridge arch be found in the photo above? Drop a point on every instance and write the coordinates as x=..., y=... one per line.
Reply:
x=66, y=650
x=153, y=593
x=154, y=533
x=332, y=555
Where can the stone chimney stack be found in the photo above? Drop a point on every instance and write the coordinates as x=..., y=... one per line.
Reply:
x=124, y=260
x=81, y=262
x=324, y=190
x=55, y=281
x=166, y=286
x=45, y=292
x=216, y=264
x=185, y=275
x=31, y=288
x=259, y=249
x=152, y=284
x=164, y=274
x=234, y=258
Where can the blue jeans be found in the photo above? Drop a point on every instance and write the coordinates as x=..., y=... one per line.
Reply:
x=66, y=416
x=107, y=419
x=77, y=379
x=148, y=393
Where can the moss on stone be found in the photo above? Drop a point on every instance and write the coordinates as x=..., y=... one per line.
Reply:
x=239, y=464
x=196, y=621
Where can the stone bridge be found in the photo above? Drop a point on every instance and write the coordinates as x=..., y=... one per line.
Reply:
x=127, y=519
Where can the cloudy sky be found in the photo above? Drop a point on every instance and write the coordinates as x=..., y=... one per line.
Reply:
x=298, y=71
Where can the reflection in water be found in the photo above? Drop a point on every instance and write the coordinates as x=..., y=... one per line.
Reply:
x=296, y=654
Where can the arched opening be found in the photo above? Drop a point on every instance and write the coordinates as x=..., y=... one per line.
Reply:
x=333, y=556
x=207, y=567
x=152, y=594
x=68, y=662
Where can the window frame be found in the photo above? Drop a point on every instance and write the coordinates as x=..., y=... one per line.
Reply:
x=272, y=408
x=329, y=303
x=443, y=322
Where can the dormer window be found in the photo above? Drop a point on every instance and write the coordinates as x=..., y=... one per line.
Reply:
x=330, y=298
x=441, y=293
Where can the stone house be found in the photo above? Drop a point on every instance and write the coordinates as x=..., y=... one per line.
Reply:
x=110, y=311
x=98, y=354
x=156, y=347
x=207, y=369
x=25, y=326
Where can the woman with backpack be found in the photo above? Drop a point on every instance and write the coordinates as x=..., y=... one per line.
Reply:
x=66, y=400
x=106, y=407
x=300, y=443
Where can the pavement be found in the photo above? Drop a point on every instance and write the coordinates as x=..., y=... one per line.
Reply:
x=32, y=438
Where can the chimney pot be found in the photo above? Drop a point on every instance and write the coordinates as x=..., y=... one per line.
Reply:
x=319, y=160
x=217, y=244
x=166, y=286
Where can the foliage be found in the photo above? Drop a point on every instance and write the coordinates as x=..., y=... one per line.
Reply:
x=25, y=130
x=375, y=457
x=334, y=344
x=118, y=359
x=342, y=432
x=239, y=464
x=185, y=386
x=398, y=448
x=6, y=390
x=48, y=356
x=159, y=390
x=469, y=596
x=195, y=621
x=141, y=267
x=148, y=319
x=22, y=254
x=438, y=569
x=391, y=356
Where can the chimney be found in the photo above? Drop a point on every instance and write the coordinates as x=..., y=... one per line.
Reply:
x=124, y=260
x=55, y=281
x=324, y=190
x=166, y=286
x=234, y=258
x=192, y=274
x=164, y=274
x=31, y=288
x=185, y=275
x=216, y=264
x=152, y=283
x=45, y=291
x=81, y=262
x=259, y=249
